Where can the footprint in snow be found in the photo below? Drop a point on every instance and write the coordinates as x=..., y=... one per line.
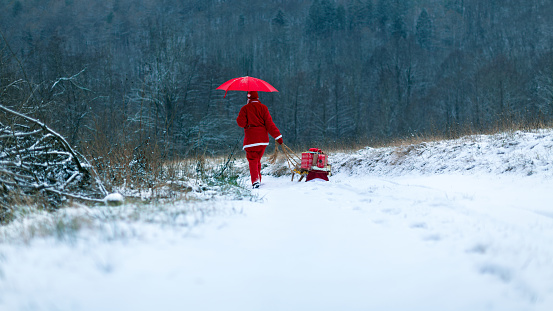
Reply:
x=478, y=248
x=432, y=237
x=419, y=225
x=391, y=211
x=504, y=274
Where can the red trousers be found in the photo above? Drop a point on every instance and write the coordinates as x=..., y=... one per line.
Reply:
x=254, y=154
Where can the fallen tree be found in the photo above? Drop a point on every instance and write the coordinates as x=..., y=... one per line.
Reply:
x=38, y=163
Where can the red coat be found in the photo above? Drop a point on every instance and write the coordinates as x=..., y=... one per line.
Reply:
x=256, y=120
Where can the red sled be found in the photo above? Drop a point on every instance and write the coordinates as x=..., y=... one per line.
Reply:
x=314, y=165
x=317, y=175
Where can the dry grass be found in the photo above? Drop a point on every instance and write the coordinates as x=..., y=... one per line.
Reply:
x=504, y=126
x=12, y=201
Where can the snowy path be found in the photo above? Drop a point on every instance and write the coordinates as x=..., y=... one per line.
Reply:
x=440, y=242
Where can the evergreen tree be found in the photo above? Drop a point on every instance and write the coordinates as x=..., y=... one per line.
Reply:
x=369, y=13
x=340, y=23
x=424, y=29
x=279, y=20
x=399, y=30
x=17, y=8
x=280, y=35
x=383, y=14
x=322, y=18
x=313, y=26
x=357, y=14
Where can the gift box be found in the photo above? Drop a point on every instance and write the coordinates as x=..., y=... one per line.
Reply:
x=307, y=159
x=311, y=160
x=321, y=161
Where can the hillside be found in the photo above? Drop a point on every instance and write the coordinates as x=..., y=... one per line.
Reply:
x=516, y=153
x=118, y=71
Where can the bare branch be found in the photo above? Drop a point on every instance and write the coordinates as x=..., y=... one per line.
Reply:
x=70, y=79
x=35, y=158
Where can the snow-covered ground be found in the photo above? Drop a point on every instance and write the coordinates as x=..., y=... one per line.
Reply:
x=453, y=225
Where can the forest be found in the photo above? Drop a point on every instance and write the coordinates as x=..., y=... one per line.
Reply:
x=137, y=77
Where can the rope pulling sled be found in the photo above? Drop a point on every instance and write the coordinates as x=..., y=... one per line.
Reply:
x=312, y=164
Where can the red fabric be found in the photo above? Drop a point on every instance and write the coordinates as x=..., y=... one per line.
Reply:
x=254, y=154
x=317, y=174
x=257, y=122
x=247, y=84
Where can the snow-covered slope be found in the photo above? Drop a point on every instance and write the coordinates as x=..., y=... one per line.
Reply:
x=458, y=225
x=520, y=153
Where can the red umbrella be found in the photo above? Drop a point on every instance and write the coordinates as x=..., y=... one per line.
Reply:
x=246, y=84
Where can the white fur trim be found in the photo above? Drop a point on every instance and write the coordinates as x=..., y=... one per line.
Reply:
x=276, y=138
x=255, y=145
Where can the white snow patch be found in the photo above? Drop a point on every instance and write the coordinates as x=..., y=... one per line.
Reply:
x=114, y=199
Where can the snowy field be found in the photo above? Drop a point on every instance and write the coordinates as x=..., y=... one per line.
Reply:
x=453, y=225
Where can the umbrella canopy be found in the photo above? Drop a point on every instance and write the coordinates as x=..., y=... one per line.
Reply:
x=246, y=84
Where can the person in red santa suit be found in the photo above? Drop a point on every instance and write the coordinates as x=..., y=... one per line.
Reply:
x=256, y=120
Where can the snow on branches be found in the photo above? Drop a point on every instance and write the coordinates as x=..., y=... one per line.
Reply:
x=36, y=161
